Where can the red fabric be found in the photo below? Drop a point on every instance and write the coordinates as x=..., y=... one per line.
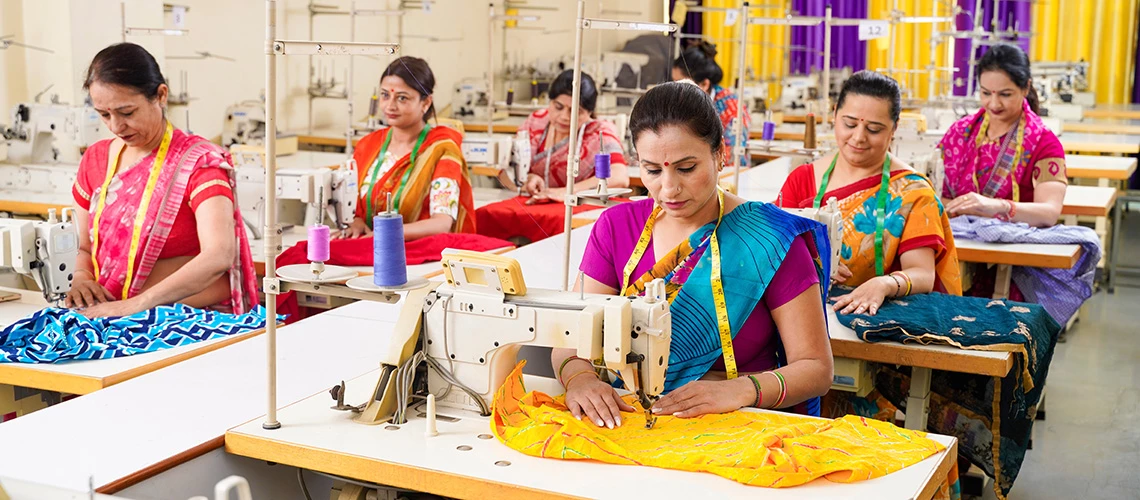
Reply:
x=514, y=218
x=358, y=252
x=183, y=238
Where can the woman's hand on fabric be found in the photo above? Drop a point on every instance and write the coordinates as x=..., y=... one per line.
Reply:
x=535, y=184
x=867, y=298
x=547, y=196
x=842, y=273
x=702, y=397
x=86, y=292
x=596, y=400
x=115, y=308
x=355, y=230
x=976, y=204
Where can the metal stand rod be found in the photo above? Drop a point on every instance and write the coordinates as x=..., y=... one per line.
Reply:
x=572, y=174
x=270, y=230
x=740, y=157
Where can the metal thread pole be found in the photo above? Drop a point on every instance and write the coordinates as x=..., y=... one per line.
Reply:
x=573, y=159
x=739, y=151
x=826, y=87
x=123, y=19
x=894, y=39
x=270, y=229
x=973, y=49
x=491, y=70
x=348, y=133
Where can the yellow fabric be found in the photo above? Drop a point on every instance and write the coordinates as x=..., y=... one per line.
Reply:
x=761, y=449
x=1102, y=33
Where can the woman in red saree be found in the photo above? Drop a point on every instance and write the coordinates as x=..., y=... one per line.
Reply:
x=155, y=206
x=419, y=166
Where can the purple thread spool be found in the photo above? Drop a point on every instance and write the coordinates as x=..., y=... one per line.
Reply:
x=769, y=131
x=602, y=165
x=318, y=243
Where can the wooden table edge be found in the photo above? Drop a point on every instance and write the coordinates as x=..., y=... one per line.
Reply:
x=376, y=471
x=987, y=256
x=949, y=456
x=902, y=354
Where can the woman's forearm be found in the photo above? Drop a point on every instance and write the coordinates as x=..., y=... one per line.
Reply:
x=921, y=280
x=436, y=224
x=1036, y=214
x=189, y=280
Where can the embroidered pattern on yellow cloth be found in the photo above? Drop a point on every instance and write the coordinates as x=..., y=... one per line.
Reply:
x=761, y=449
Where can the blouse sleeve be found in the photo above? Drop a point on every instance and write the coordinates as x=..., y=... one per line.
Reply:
x=92, y=166
x=1049, y=160
x=797, y=187
x=796, y=273
x=210, y=178
x=598, y=258
x=443, y=197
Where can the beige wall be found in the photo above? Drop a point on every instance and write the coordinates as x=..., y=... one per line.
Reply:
x=235, y=28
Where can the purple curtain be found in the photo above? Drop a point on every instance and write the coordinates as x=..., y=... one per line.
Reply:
x=807, y=41
x=694, y=24
x=1010, y=14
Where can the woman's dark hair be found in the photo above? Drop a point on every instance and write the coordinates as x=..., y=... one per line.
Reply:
x=872, y=84
x=698, y=62
x=563, y=84
x=416, y=73
x=678, y=103
x=1012, y=61
x=127, y=65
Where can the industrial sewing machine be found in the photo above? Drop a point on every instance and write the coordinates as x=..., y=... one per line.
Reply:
x=304, y=196
x=245, y=124
x=830, y=216
x=46, y=251
x=1062, y=88
x=470, y=328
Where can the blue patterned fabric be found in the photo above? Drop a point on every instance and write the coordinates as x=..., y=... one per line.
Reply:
x=56, y=335
x=1060, y=291
x=753, y=238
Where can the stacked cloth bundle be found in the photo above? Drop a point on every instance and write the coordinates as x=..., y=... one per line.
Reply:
x=1061, y=291
x=55, y=335
x=991, y=417
x=770, y=449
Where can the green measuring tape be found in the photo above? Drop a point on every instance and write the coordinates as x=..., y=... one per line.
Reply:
x=880, y=207
x=403, y=181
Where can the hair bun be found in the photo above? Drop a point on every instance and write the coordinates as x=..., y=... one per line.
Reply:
x=709, y=49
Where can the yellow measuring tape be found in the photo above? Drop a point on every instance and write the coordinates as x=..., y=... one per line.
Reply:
x=140, y=217
x=717, y=286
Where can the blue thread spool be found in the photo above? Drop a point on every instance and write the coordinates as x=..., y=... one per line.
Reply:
x=769, y=131
x=602, y=165
x=389, y=263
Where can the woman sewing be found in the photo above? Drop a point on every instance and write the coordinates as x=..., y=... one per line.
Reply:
x=549, y=131
x=1002, y=161
x=771, y=351
x=420, y=168
x=896, y=236
x=155, y=206
x=698, y=63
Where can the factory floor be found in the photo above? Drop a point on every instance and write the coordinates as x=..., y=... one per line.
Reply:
x=1088, y=447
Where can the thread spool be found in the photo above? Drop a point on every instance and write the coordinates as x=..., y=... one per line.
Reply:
x=769, y=131
x=389, y=263
x=510, y=96
x=318, y=243
x=809, y=131
x=602, y=165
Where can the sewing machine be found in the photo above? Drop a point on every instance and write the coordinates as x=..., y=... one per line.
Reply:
x=245, y=124
x=46, y=251
x=51, y=133
x=469, y=330
x=829, y=216
x=304, y=195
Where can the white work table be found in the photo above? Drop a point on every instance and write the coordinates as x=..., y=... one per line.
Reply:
x=126, y=433
x=315, y=437
x=1100, y=143
x=1105, y=169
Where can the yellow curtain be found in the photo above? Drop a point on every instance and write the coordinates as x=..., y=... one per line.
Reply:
x=765, y=56
x=912, y=46
x=1102, y=33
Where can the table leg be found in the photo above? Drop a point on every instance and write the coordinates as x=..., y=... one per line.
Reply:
x=918, y=402
x=1101, y=229
x=1001, y=283
x=1102, y=182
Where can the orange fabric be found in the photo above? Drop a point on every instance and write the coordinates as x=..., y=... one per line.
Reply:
x=440, y=156
x=768, y=449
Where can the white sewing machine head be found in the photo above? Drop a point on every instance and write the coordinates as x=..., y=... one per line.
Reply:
x=51, y=133
x=830, y=216
x=245, y=124
x=471, y=328
x=304, y=196
x=46, y=251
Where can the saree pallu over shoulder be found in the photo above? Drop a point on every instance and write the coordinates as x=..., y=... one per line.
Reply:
x=1002, y=169
x=440, y=154
x=753, y=239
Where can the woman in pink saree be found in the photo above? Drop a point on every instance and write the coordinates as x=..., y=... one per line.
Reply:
x=155, y=206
